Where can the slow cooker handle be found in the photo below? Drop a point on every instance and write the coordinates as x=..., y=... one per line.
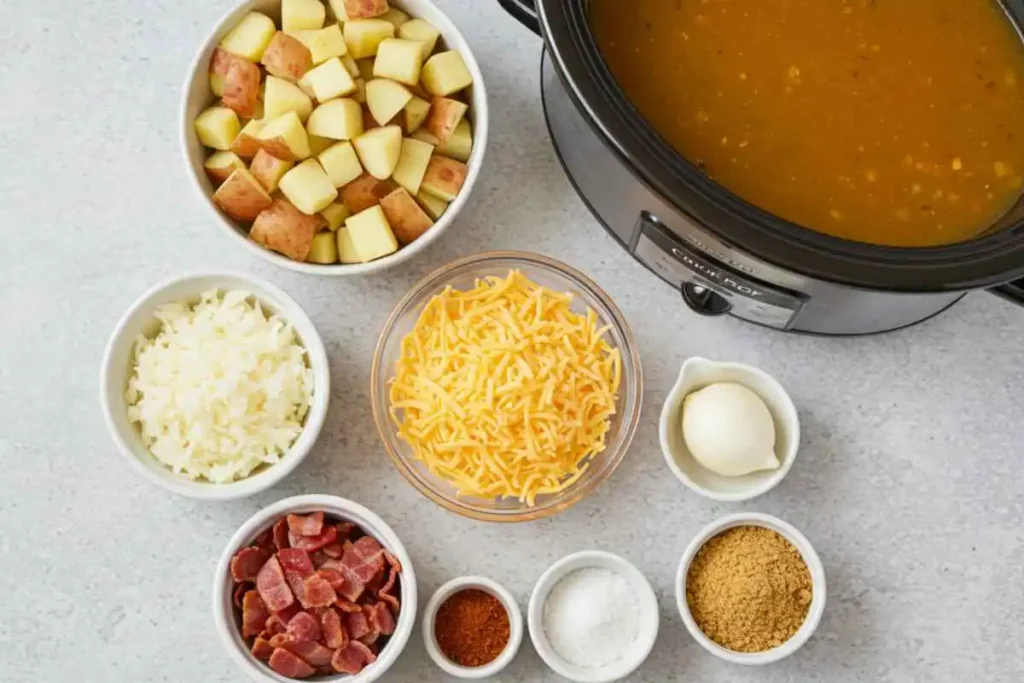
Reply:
x=524, y=11
x=1011, y=291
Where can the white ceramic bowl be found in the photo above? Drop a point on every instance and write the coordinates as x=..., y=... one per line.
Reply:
x=818, y=588
x=224, y=610
x=117, y=368
x=647, y=603
x=515, y=619
x=698, y=373
x=196, y=96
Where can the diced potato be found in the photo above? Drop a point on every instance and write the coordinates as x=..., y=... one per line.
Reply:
x=422, y=32
x=415, y=113
x=446, y=73
x=317, y=144
x=242, y=87
x=247, y=143
x=423, y=135
x=360, y=9
x=220, y=64
x=301, y=15
x=241, y=196
x=258, y=112
x=335, y=215
x=340, y=163
x=363, y=36
x=346, y=250
x=339, y=119
x=287, y=57
x=221, y=165
x=285, y=229
x=308, y=187
x=351, y=66
x=460, y=144
x=371, y=234
x=395, y=16
x=400, y=60
x=432, y=205
x=445, y=115
x=360, y=94
x=330, y=80
x=365, y=191
x=407, y=220
x=365, y=67
x=282, y=97
x=412, y=164
x=379, y=150
x=306, y=87
x=444, y=177
x=217, y=127
x=285, y=138
x=250, y=36
x=324, y=43
x=324, y=249
x=269, y=170
x=385, y=99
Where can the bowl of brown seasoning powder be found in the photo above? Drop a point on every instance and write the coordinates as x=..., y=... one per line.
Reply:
x=472, y=627
x=751, y=589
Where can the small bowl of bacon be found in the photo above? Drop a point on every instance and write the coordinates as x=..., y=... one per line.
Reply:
x=317, y=587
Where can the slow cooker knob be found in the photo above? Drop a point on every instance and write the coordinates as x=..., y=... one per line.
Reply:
x=704, y=301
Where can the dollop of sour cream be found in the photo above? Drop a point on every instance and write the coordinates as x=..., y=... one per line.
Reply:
x=729, y=430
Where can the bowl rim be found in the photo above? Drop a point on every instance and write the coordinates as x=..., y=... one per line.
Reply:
x=673, y=405
x=630, y=353
x=342, y=507
x=481, y=124
x=515, y=618
x=814, y=566
x=646, y=597
x=316, y=354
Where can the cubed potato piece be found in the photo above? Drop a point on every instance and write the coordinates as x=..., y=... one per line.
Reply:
x=395, y=16
x=346, y=250
x=444, y=177
x=323, y=43
x=335, y=215
x=423, y=135
x=285, y=229
x=379, y=150
x=460, y=144
x=250, y=36
x=220, y=62
x=285, y=138
x=446, y=73
x=340, y=163
x=221, y=165
x=217, y=127
x=445, y=115
x=432, y=205
x=422, y=32
x=340, y=119
x=269, y=170
x=365, y=67
x=412, y=164
x=365, y=191
x=351, y=66
x=308, y=187
x=247, y=142
x=415, y=113
x=400, y=60
x=385, y=99
x=371, y=234
x=241, y=196
x=242, y=87
x=302, y=15
x=363, y=36
x=360, y=94
x=287, y=57
x=324, y=249
x=283, y=96
x=407, y=220
x=318, y=144
x=258, y=112
x=330, y=80
x=361, y=9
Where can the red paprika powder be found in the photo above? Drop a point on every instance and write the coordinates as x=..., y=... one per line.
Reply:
x=472, y=627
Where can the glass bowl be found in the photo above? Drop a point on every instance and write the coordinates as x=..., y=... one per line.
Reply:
x=556, y=276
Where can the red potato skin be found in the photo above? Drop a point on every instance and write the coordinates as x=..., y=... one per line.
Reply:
x=286, y=57
x=218, y=175
x=285, y=229
x=246, y=146
x=242, y=87
x=264, y=167
x=239, y=198
x=365, y=9
x=444, y=116
x=365, y=191
x=406, y=218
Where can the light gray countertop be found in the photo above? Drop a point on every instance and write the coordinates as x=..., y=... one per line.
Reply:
x=908, y=482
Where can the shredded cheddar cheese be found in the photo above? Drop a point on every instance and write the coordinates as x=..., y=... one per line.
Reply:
x=503, y=390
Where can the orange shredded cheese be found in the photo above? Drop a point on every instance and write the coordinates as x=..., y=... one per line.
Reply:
x=503, y=390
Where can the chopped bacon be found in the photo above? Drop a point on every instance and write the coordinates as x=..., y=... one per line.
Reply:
x=310, y=543
x=365, y=558
x=306, y=525
x=265, y=540
x=304, y=628
x=351, y=587
x=288, y=612
x=319, y=558
x=355, y=624
x=254, y=614
x=391, y=601
x=371, y=624
x=347, y=606
x=280, y=533
x=280, y=640
x=297, y=567
x=287, y=664
x=316, y=592
x=386, y=594
x=261, y=649
x=247, y=562
x=330, y=626
x=276, y=625
x=334, y=551
x=352, y=658
x=392, y=560
x=345, y=530
x=272, y=587
x=381, y=619
x=313, y=653
x=240, y=591
x=333, y=577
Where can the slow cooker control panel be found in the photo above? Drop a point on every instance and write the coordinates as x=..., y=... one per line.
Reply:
x=709, y=287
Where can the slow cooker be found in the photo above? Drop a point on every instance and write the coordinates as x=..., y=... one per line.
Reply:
x=724, y=255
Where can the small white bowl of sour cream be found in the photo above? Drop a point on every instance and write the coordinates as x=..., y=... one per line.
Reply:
x=643, y=600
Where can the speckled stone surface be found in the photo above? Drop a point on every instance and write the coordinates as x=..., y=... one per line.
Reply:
x=908, y=483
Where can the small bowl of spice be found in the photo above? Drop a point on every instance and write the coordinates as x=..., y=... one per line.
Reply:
x=751, y=589
x=472, y=627
x=593, y=617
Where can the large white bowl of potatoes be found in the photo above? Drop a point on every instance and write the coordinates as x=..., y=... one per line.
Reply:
x=337, y=137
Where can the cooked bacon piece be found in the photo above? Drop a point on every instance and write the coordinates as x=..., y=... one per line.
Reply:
x=371, y=624
x=272, y=587
x=254, y=614
x=310, y=543
x=240, y=590
x=280, y=640
x=275, y=625
x=330, y=627
x=304, y=628
x=265, y=540
x=261, y=649
x=306, y=525
x=313, y=654
x=351, y=587
x=247, y=562
x=352, y=658
x=280, y=533
x=392, y=559
x=365, y=558
x=387, y=592
x=345, y=530
x=316, y=592
x=333, y=577
x=355, y=624
x=320, y=558
x=334, y=551
x=347, y=606
x=297, y=567
x=287, y=664
x=381, y=619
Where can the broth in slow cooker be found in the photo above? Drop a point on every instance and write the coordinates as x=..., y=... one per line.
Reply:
x=895, y=122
